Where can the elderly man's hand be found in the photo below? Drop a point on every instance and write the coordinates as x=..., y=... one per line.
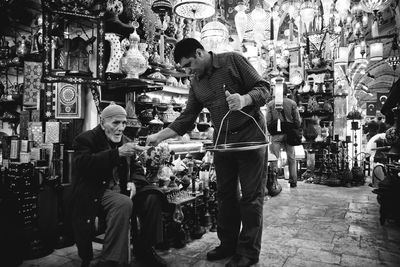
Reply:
x=132, y=188
x=130, y=149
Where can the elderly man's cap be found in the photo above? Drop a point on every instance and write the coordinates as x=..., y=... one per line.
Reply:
x=113, y=110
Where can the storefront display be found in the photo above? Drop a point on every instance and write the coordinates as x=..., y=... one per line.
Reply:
x=60, y=70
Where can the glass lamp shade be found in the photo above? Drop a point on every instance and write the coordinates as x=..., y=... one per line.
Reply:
x=342, y=7
x=326, y=4
x=258, y=14
x=376, y=51
x=261, y=22
x=307, y=12
x=278, y=92
x=214, y=36
x=194, y=9
x=241, y=21
x=374, y=5
x=342, y=56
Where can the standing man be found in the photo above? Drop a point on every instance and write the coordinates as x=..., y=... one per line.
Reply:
x=290, y=113
x=222, y=83
x=105, y=162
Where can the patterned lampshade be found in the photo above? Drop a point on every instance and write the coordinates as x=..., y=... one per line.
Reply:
x=372, y=6
x=214, y=36
x=194, y=9
x=161, y=7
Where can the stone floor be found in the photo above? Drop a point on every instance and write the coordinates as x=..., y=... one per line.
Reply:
x=311, y=225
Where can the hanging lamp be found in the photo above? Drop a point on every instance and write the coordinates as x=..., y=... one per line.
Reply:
x=241, y=20
x=307, y=12
x=161, y=7
x=214, y=36
x=194, y=9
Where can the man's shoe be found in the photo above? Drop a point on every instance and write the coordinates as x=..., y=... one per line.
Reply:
x=151, y=258
x=241, y=261
x=220, y=253
x=293, y=185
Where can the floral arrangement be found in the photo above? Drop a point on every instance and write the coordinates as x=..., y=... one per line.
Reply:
x=153, y=159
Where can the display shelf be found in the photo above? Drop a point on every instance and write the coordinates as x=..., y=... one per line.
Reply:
x=16, y=100
x=342, y=95
x=307, y=114
x=133, y=85
x=71, y=10
x=176, y=90
x=10, y=120
x=18, y=66
x=311, y=93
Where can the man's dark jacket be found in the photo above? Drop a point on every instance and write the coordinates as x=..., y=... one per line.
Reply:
x=94, y=160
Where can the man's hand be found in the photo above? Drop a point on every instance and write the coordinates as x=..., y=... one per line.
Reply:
x=237, y=101
x=129, y=149
x=153, y=140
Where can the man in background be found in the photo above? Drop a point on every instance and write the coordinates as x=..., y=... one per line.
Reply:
x=289, y=113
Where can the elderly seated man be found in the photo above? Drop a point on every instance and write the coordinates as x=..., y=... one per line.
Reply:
x=105, y=162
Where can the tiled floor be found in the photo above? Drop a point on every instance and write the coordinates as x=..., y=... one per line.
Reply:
x=311, y=225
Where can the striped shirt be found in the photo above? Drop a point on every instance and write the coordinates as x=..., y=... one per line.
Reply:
x=289, y=108
x=233, y=72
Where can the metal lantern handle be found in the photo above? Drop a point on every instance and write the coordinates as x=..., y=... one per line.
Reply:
x=222, y=123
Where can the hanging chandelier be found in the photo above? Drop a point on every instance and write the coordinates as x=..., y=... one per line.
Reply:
x=194, y=9
x=241, y=20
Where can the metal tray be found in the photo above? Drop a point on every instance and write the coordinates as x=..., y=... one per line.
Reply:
x=232, y=147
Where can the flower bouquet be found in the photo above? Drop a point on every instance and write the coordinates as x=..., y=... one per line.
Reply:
x=156, y=161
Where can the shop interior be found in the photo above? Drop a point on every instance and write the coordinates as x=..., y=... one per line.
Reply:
x=63, y=61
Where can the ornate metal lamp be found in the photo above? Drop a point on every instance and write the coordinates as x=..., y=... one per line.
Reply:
x=161, y=7
x=214, y=36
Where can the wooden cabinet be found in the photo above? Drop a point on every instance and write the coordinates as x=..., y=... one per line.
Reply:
x=73, y=41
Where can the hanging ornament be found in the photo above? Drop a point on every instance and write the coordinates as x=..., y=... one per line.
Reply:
x=374, y=28
x=241, y=20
